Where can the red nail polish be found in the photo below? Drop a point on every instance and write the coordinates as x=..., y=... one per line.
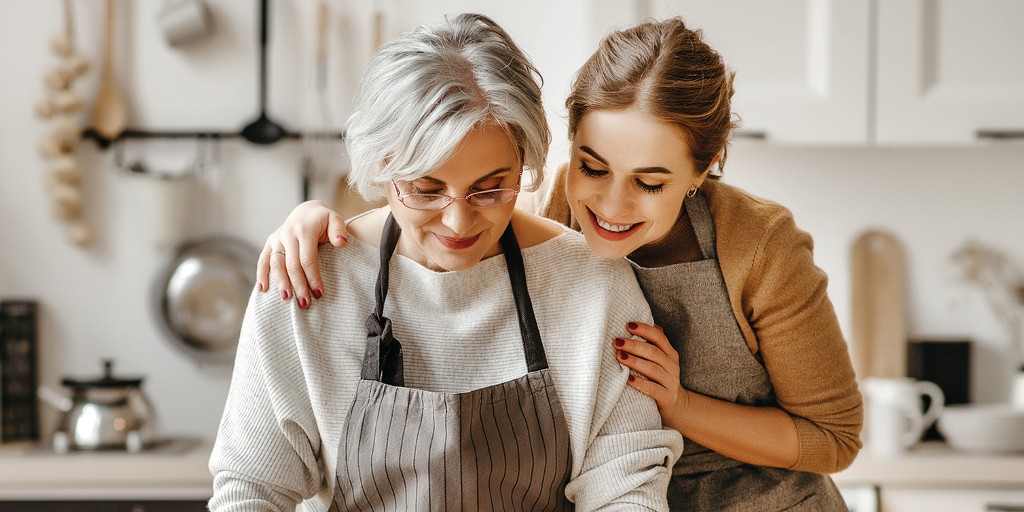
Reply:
x=259, y=286
x=623, y=355
x=284, y=294
x=632, y=326
x=631, y=378
x=302, y=302
x=619, y=342
x=317, y=293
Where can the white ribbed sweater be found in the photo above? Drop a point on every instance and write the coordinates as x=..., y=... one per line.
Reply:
x=296, y=371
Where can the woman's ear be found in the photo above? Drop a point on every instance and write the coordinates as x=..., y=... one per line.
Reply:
x=704, y=175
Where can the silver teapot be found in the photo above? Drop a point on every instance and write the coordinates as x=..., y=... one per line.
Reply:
x=105, y=413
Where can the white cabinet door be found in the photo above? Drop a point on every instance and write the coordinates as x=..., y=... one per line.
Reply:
x=949, y=71
x=802, y=66
x=951, y=500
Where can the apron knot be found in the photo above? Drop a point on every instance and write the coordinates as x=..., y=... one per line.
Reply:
x=383, y=358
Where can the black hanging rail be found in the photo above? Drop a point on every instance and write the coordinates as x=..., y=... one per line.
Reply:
x=132, y=133
x=261, y=131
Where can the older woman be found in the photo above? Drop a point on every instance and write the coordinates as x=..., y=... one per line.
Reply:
x=466, y=366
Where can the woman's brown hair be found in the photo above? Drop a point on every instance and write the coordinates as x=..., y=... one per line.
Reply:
x=669, y=72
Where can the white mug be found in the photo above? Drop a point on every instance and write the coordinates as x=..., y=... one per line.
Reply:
x=895, y=417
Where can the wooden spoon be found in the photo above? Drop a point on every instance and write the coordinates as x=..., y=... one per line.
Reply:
x=109, y=114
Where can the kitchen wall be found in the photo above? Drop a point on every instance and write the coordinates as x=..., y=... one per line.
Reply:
x=96, y=302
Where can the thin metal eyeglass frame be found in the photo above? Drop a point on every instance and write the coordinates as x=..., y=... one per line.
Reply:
x=451, y=199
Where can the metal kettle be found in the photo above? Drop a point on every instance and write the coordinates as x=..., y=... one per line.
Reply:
x=105, y=413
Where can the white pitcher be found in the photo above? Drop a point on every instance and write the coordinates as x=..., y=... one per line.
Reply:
x=895, y=418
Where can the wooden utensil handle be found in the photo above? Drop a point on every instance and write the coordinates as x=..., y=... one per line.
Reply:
x=322, y=15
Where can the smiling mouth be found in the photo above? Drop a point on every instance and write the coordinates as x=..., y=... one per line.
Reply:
x=457, y=243
x=611, y=230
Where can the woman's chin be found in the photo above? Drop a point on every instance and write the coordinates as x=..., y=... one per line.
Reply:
x=608, y=249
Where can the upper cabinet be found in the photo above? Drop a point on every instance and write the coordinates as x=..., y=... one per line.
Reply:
x=949, y=71
x=856, y=72
x=801, y=65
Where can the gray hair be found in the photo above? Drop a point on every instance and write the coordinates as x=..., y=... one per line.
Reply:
x=424, y=91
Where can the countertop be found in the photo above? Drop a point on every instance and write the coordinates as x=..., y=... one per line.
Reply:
x=32, y=472
x=934, y=464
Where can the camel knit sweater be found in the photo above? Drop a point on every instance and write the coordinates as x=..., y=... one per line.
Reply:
x=296, y=371
x=779, y=299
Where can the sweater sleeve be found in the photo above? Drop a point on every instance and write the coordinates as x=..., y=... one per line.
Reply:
x=629, y=457
x=803, y=348
x=265, y=454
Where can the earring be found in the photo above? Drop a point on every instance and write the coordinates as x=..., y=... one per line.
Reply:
x=692, y=192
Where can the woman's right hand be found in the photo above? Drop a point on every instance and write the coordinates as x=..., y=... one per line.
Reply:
x=290, y=254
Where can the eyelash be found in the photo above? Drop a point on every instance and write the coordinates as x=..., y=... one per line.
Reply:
x=651, y=189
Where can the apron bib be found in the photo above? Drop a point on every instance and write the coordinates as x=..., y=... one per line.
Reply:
x=714, y=360
x=502, y=447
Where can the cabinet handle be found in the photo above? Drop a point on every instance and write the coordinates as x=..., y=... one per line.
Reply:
x=1003, y=507
x=751, y=134
x=1000, y=134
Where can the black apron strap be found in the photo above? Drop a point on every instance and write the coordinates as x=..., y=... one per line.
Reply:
x=382, y=360
x=532, y=346
x=703, y=225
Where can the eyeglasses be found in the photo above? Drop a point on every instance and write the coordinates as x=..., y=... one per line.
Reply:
x=431, y=202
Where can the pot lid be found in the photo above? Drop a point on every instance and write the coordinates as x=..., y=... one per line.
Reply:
x=106, y=381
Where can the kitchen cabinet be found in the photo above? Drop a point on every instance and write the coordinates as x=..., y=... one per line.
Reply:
x=951, y=500
x=32, y=477
x=801, y=65
x=862, y=72
x=935, y=478
x=947, y=72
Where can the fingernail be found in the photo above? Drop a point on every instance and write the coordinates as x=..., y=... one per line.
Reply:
x=623, y=355
x=259, y=286
x=302, y=302
x=632, y=326
x=631, y=378
x=284, y=294
x=619, y=342
x=342, y=237
x=317, y=293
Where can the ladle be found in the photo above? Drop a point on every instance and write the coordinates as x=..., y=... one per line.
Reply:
x=109, y=114
x=263, y=130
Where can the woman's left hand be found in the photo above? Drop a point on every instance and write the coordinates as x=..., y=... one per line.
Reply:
x=655, y=360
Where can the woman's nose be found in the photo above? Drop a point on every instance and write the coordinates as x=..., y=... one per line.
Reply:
x=459, y=216
x=615, y=200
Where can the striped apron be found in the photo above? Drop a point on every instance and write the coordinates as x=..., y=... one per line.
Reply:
x=714, y=360
x=502, y=447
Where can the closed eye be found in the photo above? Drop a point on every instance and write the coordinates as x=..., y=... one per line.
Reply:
x=653, y=189
x=588, y=171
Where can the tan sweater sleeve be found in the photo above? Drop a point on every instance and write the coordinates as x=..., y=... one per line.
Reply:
x=802, y=347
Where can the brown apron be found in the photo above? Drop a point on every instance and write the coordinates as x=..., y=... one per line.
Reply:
x=502, y=447
x=690, y=301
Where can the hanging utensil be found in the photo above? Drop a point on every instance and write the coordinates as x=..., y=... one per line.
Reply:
x=109, y=114
x=879, y=335
x=263, y=130
x=317, y=140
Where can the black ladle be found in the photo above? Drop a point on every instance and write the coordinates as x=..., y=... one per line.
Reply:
x=263, y=130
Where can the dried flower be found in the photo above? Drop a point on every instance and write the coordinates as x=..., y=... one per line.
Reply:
x=1002, y=283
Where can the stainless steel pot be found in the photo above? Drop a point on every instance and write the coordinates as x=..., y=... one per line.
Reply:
x=104, y=413
x=202, y=294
